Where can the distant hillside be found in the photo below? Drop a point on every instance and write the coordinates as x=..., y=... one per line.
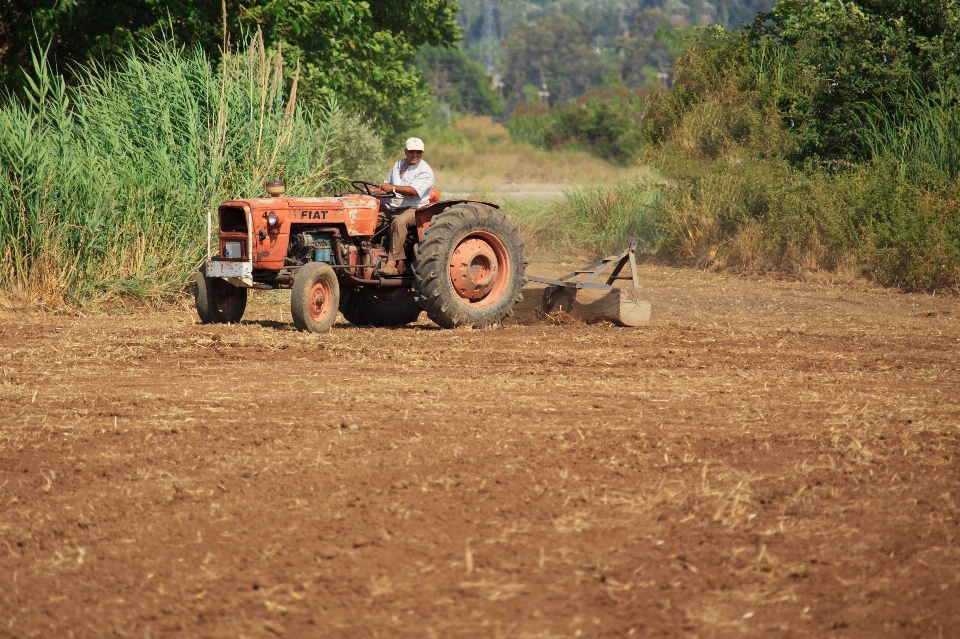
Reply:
x=522, y=58
x=485, y=22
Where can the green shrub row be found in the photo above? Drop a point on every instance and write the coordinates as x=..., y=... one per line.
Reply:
x=760, y=179
x=766, y=215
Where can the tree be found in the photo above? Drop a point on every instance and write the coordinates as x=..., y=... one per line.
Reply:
x=644, y=50
x=837, y=58
x=352, y=48
x=605, y=122
x=556, y=52
x=458, y=81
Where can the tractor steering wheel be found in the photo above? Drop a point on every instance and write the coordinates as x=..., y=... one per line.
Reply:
x=364, y=187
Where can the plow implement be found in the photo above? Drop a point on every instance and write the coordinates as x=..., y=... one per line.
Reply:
x=589, y=293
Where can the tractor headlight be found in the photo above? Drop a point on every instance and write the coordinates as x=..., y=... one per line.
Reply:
x=272, y=220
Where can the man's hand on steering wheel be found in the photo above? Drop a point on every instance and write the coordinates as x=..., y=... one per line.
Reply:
x=370, y=188
x=383, y=189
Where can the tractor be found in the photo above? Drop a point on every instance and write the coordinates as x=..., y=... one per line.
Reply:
x=466, y=260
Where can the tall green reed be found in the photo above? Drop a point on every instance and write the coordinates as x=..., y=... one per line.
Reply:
x=605, y=218
x=105, y=186
x=595, y=219
x=774, y=67
x=919, y=130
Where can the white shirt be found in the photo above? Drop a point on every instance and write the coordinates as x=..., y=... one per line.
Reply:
x=419, y=176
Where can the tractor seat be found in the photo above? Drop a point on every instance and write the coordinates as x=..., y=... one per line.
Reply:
x=434, y=197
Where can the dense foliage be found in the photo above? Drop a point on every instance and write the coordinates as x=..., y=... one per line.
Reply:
x=849, y=81
x=353, y=49
x=833, y=66
x=606, y=122
x=105, y=185
x=457, y=81
x=825, y=137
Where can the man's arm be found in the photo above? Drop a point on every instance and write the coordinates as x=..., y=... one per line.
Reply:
x=423, y=182
x=421, y=185
x=386, y=188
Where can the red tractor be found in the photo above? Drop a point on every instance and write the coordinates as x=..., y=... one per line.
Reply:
x=467, y=261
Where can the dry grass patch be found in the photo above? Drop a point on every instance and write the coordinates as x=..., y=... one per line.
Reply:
x=476, y=155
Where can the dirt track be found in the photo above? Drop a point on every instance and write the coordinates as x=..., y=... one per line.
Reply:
x=775, y=459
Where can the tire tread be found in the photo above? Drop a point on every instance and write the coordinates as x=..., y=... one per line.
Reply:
x=436, y=292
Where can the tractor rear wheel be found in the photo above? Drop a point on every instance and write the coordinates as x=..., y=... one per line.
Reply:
x=218, y=301
x=470, y=267
x=380, y=307
x=314, y=298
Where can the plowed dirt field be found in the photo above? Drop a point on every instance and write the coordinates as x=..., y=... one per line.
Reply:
x=767, y=458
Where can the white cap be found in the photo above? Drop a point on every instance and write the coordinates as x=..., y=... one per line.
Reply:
x=414, y=144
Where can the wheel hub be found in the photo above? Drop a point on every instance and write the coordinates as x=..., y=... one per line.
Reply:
x=225, y=297
x=320, y=300
x=474, y=268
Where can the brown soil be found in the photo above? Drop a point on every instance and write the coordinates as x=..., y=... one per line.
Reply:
x=767, y=459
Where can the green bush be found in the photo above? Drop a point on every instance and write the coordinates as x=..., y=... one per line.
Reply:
x=767, y=215
x=604, y=122
x=913, y=233
x=528, y=120
x=458, y=81
x=355, y=150
x=825, y=62
x=105, y=187
x=717, y=106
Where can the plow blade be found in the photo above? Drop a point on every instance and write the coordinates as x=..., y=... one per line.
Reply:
x=622, y=306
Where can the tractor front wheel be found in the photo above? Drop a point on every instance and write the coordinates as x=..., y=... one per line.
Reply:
x=470, y=267
x=218, y=301
x=314, y=298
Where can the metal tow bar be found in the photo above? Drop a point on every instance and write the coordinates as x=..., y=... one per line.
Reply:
x=597, y=268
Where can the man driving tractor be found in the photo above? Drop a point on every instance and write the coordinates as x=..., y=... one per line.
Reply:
x=327, y=251
x=410, y=182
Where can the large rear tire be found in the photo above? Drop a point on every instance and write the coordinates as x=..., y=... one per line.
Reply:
x=218, y=301
x=380, y=307
x=314, y=298
x=470, y=267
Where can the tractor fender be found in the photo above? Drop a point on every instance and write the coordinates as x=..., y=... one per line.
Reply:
x=425, y=214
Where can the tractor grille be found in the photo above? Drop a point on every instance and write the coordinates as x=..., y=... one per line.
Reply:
x=233, y=220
